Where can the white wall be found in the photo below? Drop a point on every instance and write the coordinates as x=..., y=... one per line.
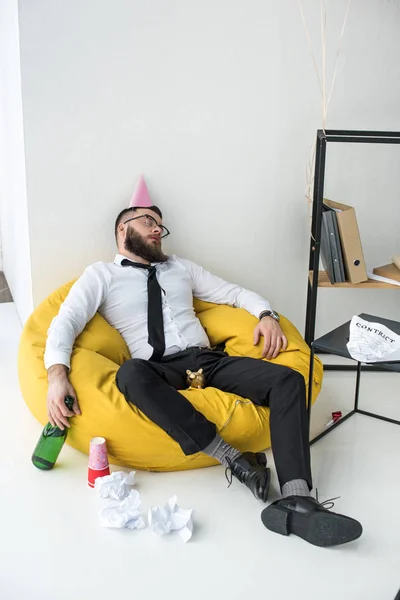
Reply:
x=217, y=103
x=13, y=202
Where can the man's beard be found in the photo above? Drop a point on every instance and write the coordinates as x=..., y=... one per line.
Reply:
x=136, y=244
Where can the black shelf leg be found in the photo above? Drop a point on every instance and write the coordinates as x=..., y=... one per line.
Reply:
x=315, y=240
x=358, y=378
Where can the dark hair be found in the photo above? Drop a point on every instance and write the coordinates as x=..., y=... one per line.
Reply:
x=124, y=212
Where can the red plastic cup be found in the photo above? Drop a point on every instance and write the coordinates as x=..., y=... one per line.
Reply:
x=98, y=460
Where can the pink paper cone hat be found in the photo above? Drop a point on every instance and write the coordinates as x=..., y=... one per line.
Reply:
x=141, y=197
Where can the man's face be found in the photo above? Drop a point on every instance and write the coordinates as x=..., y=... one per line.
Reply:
x=143, y=235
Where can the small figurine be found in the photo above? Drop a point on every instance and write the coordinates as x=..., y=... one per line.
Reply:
x=195, y=379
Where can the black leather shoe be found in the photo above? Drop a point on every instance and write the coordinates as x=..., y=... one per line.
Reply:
x=251, y=469
x=310, y=520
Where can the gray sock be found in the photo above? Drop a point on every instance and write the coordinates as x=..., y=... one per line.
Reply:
x=296, y=487
x=221, y=451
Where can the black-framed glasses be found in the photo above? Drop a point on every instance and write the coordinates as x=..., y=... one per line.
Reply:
x=150, y=222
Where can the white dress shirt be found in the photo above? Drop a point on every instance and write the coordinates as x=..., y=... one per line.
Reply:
x=119, y=294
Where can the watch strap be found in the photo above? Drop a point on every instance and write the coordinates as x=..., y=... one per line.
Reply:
x=269, y=313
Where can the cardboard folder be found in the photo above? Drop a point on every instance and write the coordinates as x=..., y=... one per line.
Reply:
x=351, y=241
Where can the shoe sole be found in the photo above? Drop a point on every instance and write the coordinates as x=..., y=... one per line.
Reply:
x=319, y=528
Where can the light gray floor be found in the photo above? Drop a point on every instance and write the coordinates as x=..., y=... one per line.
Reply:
x=51, y=545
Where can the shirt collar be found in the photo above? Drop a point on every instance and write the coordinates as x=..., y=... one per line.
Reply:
x=120, y=257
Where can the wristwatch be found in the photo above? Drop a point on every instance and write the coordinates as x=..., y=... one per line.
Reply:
x=269, y=313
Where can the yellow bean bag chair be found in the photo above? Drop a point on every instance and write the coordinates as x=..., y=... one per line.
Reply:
x=132, y=439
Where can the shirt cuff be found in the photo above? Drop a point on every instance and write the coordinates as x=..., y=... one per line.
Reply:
x=259, y=308
x=57, y=357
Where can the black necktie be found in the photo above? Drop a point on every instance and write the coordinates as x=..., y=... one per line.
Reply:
x=155, y=323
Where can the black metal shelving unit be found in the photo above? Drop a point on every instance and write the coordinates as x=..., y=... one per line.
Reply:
x=323, y=138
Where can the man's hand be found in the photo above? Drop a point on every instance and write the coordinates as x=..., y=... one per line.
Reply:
x=59, y=387
x=274, y=340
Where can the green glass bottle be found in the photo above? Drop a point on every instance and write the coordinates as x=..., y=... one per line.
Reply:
x=50, y=443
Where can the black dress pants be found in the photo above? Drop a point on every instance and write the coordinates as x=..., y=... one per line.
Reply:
x=152, y=387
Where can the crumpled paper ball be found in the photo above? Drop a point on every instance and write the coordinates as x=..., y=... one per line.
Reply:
x=123, y=513
x=116, y=485
x=164, y=519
